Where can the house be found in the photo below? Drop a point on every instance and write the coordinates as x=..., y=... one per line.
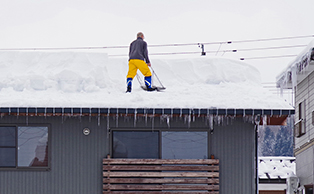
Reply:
x=299, y=76
x=64, y=113
x=274, y=173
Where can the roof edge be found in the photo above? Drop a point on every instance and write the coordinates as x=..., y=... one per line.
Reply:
x=152, y=111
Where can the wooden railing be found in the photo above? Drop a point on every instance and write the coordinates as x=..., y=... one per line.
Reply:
x=156, y=176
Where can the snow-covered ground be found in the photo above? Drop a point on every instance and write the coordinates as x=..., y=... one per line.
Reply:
x=276, y=167
x=80, y=79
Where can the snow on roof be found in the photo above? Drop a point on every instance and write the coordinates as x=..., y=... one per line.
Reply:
x=297, y=69
x=80, y=79
x=276, y=167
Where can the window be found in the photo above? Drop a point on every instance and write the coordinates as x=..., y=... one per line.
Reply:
x=7, y=146
x=135, y=144
x=160, y=144
x=23, y=147
x=308, y=189
x=184, y=145
x=300, y=125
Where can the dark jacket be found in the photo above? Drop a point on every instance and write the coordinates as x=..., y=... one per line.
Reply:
x=138, y=50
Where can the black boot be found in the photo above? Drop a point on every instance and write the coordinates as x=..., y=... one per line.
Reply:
x=129, y=84
x=149, y=89
x=128, y=89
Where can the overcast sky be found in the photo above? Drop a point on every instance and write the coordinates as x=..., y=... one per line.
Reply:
x=77, y=23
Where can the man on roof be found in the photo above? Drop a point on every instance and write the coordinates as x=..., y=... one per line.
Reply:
x=138, y=59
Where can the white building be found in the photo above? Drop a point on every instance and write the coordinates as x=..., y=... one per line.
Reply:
x=299, y=76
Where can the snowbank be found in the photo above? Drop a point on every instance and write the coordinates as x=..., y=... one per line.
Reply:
x=275, y=167
x=79, y=79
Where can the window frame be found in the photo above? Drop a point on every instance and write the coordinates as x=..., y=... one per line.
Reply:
x=28, y=168
x=159, y=137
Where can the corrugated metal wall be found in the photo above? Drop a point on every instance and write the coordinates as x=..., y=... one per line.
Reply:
x=234, y=146
x=76, y=159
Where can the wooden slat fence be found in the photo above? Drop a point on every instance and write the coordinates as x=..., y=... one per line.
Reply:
x=156, y=176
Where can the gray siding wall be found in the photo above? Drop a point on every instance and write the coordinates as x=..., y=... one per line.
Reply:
x=76, y=159
x=305, y=91
x=304, y=166
x=305, y=157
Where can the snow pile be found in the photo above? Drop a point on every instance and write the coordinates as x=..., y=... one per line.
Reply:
x=79, y=79
x=275, y=167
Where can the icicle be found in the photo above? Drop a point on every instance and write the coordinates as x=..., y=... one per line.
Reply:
x=26, y=116
x=294, y=76
x=187, y=119
x=218, y=119
x=165, y=117
x=215, y=119
x=153, y=119
x=98, y=117
x=190, y=119
x=108, y=125
x=211, y=122
x=222, y=120
x=90, y=114
x=232, y=119
x=264, y=121
x=161, y=117
x=257, y=119
x=62, y=115
x=80, y=117
x=117, y=120
x=168, y=122
x=244, y=118
x=225, y=119
x=135, y=117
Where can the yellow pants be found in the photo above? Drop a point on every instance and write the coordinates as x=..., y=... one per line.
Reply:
x=134, y=65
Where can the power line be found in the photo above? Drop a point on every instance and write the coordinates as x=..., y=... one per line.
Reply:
x=161, y=45
x=269, y=48
x=187, y=44
x=268, y=57
x=223, y=51
x=65, y=48
x=236, y=41
x=272, y=39
x=176, y=53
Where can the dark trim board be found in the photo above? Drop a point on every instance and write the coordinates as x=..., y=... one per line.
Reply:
x=83, y=111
